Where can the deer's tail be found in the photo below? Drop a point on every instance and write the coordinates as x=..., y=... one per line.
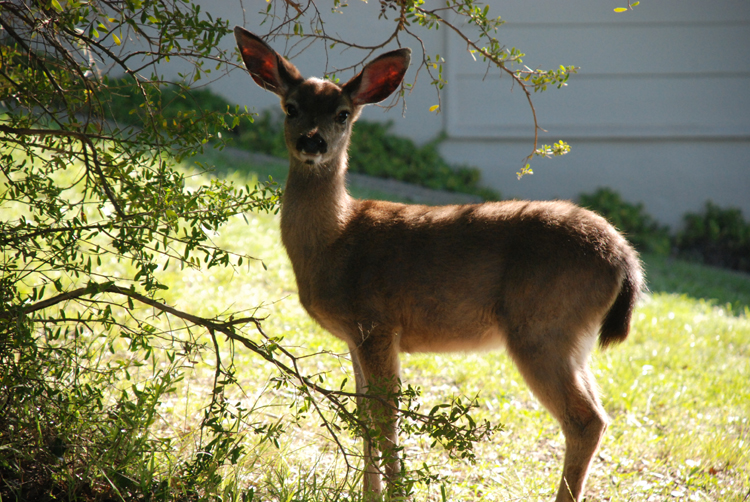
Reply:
x=616, y=325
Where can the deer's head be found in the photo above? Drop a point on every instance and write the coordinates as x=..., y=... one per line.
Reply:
x=319, y=113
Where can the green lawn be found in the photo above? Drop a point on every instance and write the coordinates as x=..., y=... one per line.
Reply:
x=677, y=391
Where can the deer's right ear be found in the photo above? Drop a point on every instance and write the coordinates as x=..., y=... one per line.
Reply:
x=269, y=70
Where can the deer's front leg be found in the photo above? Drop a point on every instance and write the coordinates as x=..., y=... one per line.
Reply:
x=376, y=370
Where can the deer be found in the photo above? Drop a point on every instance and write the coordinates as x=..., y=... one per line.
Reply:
x=543, y=279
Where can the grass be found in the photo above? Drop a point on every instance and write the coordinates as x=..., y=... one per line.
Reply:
x=725, y=288
x=677, y=392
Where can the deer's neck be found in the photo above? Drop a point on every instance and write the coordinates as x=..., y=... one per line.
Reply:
x=315, y=209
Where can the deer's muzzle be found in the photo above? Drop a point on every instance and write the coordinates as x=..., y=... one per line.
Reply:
x=312, y=144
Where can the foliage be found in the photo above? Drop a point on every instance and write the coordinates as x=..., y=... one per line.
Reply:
x=130, y=104
x=555, y=150
x=374, y=149
x=95, y=217
x=79, y=192
x=266, y=135
x=638, y=226
x=716, y=236
x=629, y=7
x=377, y=152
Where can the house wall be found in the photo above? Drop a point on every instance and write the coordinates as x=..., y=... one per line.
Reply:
x=659, y=110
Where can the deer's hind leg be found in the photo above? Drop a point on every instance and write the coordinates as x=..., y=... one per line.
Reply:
x=556, y=369
x=377, y=370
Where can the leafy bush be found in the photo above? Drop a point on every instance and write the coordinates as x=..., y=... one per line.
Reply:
x=374, y=149
x=65, y=420
x=639, y=227
x=378, y=152
x=716, y=236
x=126, y=101
x=91, y=215
x=265, y=135
x=170, y=106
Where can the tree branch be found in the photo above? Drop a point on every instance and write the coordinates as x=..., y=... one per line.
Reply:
x=500, y=64
x=83, y=138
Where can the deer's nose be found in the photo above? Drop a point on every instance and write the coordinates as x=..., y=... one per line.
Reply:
x=313, y=143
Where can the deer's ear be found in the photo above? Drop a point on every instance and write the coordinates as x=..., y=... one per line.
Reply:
x=379, y=78
x=269, y=70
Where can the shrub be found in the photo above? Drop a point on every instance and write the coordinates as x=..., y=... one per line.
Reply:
x=378, y=152
x=374, y=149
x=265, y=135
x=125, y=103
x=716, y=236
x=639, y=227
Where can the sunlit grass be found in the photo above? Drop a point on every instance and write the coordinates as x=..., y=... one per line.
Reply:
x=677, y=390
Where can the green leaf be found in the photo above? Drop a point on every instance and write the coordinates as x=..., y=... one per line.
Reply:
x=621, y=9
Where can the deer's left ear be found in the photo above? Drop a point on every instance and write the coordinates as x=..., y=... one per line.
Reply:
x=379, y=78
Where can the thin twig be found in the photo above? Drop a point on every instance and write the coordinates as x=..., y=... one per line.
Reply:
x=23, y=131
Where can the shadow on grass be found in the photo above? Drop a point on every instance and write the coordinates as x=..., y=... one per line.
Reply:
x=722, y=287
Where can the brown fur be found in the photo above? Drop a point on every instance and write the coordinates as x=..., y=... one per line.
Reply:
x=539, y=278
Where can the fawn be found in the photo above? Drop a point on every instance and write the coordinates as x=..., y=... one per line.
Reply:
x=541, y=279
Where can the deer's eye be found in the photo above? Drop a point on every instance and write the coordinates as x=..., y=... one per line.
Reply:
x=342, y=116
x=291, y=111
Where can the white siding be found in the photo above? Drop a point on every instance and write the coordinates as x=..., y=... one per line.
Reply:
x=660, y=110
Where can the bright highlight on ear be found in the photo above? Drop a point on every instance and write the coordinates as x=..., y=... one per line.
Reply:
x=267, y=68
x=379, y=78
